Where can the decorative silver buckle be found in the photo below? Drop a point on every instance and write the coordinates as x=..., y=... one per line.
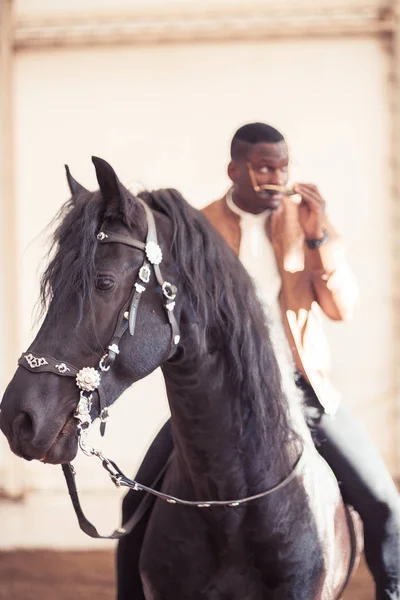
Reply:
x=169, y=290
x=139, y=288
x=103, y=416
x=82, y=411
x=102, y=366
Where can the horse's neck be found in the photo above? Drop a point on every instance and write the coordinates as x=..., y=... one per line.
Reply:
x=216, y=431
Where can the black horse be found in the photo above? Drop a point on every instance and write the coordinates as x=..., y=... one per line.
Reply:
x=236, y=432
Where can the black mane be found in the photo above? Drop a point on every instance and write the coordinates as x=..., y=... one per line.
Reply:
x=217, y=285
x=223, y=295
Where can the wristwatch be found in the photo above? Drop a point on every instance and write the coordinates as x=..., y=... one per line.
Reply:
x=314, y=244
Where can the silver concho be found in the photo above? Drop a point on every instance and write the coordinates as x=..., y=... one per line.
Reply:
x=88, y=379
x=35, y=362
x=144, y=274
x=153, y=253
x=101, y=236
x=62, y=368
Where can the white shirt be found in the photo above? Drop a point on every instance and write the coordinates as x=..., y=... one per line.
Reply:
x=258, y=257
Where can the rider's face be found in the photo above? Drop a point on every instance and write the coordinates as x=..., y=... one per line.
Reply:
x=265, y=163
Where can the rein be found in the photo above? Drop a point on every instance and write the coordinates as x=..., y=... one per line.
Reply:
x=89, y=381
x=121, y=480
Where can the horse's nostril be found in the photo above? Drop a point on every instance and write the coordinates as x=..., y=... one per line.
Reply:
x=23, y=426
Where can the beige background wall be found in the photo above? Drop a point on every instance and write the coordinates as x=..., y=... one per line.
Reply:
x=163, y=115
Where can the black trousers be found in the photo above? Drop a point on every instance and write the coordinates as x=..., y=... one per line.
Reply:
x=365, y=484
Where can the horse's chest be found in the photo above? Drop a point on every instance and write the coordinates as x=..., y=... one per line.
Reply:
x=185, y=554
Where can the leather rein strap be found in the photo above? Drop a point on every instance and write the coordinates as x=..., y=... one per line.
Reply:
x=88, y=527
x=118, y=477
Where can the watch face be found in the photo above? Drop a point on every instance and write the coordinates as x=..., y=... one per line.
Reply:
x=312, y=244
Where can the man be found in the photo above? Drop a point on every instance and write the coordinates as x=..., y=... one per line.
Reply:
x=298, y=266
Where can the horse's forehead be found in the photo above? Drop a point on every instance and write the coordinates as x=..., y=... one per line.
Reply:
x=137, y=231
x=118, y=253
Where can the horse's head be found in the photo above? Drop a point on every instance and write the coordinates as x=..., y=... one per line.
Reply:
x=110, y=318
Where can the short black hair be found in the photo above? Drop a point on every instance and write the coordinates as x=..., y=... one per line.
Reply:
x=253, y=133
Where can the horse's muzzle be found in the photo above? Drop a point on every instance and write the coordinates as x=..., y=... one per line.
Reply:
x=37, y=423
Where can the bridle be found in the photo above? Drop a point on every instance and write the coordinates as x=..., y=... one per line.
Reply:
x=89, y=380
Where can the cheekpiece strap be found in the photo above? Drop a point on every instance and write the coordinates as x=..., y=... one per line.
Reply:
x=153, y=258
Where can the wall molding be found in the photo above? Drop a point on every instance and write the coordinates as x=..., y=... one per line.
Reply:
x=250, y=21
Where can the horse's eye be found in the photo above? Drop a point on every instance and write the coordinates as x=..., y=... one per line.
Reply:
x=104, y=284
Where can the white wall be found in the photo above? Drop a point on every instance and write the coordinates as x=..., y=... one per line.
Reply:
x=164, y=116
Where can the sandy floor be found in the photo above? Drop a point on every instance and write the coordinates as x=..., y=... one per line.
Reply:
x=55, y=575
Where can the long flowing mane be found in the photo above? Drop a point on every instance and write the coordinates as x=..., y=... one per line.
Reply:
x=223, y=295
x=219, y=289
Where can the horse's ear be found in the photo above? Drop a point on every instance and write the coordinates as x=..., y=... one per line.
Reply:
x=110, y=186
x=74, y=186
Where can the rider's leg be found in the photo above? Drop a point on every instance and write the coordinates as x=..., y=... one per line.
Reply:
x=366, y=485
